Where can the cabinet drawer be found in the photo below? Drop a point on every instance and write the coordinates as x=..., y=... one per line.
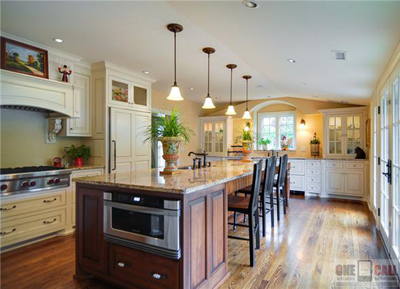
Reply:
x=296, y=183
x=354, y=165
x=313, y=164
x=313, y=180
x=15, y=230
x=297, y=167
x=142, y=269
x=313, y=172
x=314, y=188
x=10, y=208
x=334, y=164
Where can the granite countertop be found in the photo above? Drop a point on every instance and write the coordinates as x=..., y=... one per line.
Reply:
x=85, y=167
x=293, y=158
x=184, y=182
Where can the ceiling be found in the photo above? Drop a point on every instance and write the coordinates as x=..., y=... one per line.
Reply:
x=133, y=34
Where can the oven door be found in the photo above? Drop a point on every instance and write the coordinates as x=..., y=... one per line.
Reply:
x=151, y=226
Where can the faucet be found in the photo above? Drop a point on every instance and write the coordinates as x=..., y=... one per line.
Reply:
x=204, y=155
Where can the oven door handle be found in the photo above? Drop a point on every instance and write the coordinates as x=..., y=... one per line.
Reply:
x=140, y=209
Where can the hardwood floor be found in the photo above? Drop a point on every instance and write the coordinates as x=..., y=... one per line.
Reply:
x=300, y=252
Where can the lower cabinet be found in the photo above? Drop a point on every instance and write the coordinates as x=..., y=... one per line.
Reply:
x=141, y=269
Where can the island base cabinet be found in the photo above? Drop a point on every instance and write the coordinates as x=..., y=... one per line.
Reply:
x=139, y=269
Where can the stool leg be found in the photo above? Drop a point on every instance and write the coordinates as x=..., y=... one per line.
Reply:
x=271, y=206
x=251, y=233
x=257, y=230
x=264, y=215
x=234, y=221
x=284, y=200
x=277, y=203
x=286, y=196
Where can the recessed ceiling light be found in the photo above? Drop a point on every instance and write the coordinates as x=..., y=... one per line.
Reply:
x=145, y=72
x=250, y=4
x=268, y=96
x=191, y=88
x=58, y=40
x=315, y=96
x=291, y=60
x=305, y=83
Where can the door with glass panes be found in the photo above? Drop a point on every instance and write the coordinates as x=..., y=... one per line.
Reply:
x=389, y=168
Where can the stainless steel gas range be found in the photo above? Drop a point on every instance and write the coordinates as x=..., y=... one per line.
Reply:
x=33, y=179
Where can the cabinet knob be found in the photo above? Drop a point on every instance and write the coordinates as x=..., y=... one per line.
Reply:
x=121, y=264
x=159, y=276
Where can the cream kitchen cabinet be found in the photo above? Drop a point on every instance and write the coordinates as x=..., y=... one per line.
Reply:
x=344, y=131
x=346, y=178
x=216, y=135
x=305, y=176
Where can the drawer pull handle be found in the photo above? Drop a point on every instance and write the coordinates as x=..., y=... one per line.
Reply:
x=8, y=209
x=121, y=264
x=159, y=276
x=7, y=232
x=49, y=222
x=50, y=201
x=292, y=183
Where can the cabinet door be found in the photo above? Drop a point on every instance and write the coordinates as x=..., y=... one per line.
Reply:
x=335, y=133
x=120, y=93
x=334, y=182
x=141, y=97
x=81, y=126
x=207, y=134
x=353, y=133
x=354, y=183
x=91, y=247
x=219, y=138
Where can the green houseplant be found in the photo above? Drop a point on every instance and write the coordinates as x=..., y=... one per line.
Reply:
x=171, y=132
x=264, y=142
x=77, y=153
x=314, y=145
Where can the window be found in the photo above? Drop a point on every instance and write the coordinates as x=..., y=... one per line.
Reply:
x=275, y=125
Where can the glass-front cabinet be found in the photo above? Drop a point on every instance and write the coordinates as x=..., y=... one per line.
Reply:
x=126, y=93
x=216, y=135
x=344, y=131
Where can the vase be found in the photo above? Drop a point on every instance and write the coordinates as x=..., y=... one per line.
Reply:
x=247, y=150
x=314, y=150
x=170, y=153
x=78, y=162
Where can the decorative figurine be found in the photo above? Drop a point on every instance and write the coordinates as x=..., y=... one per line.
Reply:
x=65, y=73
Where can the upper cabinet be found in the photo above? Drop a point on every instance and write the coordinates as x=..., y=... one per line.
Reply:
x=344, y=131
x=216, y=135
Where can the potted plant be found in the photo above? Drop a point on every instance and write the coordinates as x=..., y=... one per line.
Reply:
x=264, y=142
x=77, y=153
x=247, y=142
x=314, y=145
x=171, y=133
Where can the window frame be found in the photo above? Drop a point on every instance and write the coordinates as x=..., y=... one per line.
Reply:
x=277, y=115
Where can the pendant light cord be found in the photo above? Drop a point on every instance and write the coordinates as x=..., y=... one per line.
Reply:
x=247, y=94
x=230, y=103
x=175, y=58
x=208, y=88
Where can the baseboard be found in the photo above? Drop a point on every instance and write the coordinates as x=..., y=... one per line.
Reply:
x=389, y=256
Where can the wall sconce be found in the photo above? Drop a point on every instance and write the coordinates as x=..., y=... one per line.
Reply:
x=302, y=124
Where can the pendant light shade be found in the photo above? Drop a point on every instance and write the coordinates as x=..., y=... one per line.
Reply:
x=246, y=114
x=231, y=108
x=175, y=93
x=208, y=103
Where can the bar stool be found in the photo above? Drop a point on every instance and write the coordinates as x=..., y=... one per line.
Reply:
x=266, y=193
x=249, y=206
x=280, y=186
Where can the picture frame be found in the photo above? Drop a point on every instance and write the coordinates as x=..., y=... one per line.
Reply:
x=23, y=58
x=368, y=133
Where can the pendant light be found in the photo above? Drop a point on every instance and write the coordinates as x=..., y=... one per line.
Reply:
x=246, y=114
x=175, y=93
x=231, y=109
x=208, y=103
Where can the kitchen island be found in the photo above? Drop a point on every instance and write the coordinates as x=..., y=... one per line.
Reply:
x=188, y=214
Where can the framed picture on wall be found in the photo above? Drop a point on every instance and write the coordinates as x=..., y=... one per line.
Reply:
x=368, y=133
x=23, y=58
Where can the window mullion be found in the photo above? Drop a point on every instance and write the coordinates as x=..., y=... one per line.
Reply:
x=277, y=133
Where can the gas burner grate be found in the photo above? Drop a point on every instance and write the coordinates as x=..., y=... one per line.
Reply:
x=7, y=171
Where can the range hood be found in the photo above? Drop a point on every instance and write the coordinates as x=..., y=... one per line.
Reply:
x=25, y=92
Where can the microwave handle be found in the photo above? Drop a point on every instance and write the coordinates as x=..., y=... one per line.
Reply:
x=140, y=209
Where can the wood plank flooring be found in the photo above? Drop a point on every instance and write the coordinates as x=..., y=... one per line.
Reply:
x=300, y=252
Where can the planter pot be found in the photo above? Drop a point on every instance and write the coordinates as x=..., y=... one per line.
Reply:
x=78, y=162
x=247, y=150
x=170, y=153
x=314, y=150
